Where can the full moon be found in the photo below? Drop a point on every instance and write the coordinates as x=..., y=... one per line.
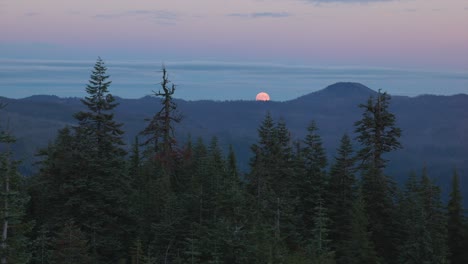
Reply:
x=262, y=97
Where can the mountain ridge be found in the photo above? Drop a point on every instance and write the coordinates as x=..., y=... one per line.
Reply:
x=435, y=128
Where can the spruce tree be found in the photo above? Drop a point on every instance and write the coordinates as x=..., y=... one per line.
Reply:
x=160, y=129
x=312, y=186
x=360, y=246
x=104, y=213
x=70, y=246
x=377, y=133
x=85, y=174
x=416, y=243
x=455, y=225
x=436, y=218
x=14, y=246
x=341, y=195
x=270, y=182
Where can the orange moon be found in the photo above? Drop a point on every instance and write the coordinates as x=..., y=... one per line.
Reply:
x=262, y=97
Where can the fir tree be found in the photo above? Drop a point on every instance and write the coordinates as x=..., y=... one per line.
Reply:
x=435, y=218
x=14, y=247
x=42, y=246
x=341, y=195
x=85, y=172
x=361, y=248
x=416, y=243
x=378, y=135
x=104, y=215
x=455, y=225
x=70, y=246
x=160, y=129
x=312, y=186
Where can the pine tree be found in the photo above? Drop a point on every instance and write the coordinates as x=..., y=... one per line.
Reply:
x=312, y=186
x=341, y=195
x=319, y=246
x=416, y=242
x=160, y=129
x=86, y=177
x=361, y=248
x=52, y=185
x=435, y=218
x=42, y=246
x=14, y=243
x=377, y=132
x=104, y=212
x=455, y=225
x=270, y=182
x=378, y=135
x=259, y=178
x=70, y=246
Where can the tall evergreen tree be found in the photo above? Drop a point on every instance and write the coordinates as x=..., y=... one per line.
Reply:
x=435, y=218
x=340, y=196
x=378, y=135
x=312, y=186
x=104, y=215
x=455, y=225
x=85, y=172
x=14, y=243
x=160, y=129
x=377, y=132
x=270, y=180
x=361, y=248
x=165, y=170
x=70, y=246
x=416, y=242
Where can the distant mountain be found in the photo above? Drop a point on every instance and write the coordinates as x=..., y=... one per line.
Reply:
x=435, y=128
x=339, y=90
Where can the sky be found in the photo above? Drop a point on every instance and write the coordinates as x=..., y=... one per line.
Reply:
x=226, y=49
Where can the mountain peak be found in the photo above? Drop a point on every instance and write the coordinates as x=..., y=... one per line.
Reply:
x=340, y=90
x=41, y=98
x=346, y=88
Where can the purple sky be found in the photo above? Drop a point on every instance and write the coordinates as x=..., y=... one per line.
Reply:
x=402, y=33
x=429, y=35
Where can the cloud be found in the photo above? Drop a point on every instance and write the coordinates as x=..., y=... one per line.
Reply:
x=261, y=15
x=201, y=79
x=159, y=16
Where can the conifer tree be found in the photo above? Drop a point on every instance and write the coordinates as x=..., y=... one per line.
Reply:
x=42, y=246
x=85, y=175
x=261, y=164
x=435, y=218
x=416, y=243
x=312, y=187
x=455, y=225
x=160, y=129
x=270, y=180
x=70, y=246
x=104, y=212
x=14, y=246
x=361, y=247
x=378, y=135
x=341, y=195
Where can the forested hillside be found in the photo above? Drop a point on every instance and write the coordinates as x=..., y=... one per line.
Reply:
x=435, y=128
x=157, y=180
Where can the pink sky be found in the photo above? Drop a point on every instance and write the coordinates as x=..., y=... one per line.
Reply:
x=402, y=33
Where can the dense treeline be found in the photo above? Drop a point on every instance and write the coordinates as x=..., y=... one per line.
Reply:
x=166, y=202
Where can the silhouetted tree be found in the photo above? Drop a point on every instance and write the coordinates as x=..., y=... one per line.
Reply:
x=14, y=247
x=456, y=228
x=378, y=135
